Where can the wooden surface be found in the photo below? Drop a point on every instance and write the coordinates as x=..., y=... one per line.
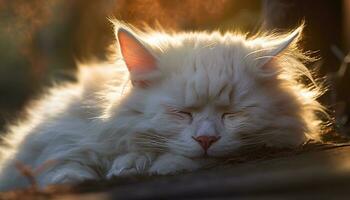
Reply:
x=320, y=174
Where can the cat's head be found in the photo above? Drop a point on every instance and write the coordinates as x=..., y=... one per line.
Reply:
x=199, y=94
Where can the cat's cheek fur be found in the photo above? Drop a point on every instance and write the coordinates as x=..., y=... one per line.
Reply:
x=171, y=163
x=224, y=147
x=185, y=145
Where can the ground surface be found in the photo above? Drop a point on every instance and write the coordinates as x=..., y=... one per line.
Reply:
x=313, y=172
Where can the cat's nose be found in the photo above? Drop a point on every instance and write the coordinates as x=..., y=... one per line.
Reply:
x=206, y=141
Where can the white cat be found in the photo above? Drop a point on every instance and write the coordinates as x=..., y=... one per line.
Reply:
x=192, y=97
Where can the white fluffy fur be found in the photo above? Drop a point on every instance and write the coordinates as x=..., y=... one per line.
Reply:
x=102, y=126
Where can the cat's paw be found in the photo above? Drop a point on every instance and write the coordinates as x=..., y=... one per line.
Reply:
x=130, y=164
x=71, y=177
x=67, y=175
x=171, y=164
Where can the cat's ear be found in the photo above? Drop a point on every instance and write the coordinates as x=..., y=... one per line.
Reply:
x=141, y=64
x=266, y=56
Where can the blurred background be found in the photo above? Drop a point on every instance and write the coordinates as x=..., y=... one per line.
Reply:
x=41, y=39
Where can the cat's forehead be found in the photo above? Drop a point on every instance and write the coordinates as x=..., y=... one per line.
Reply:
x=204, y=71
x=205, y=76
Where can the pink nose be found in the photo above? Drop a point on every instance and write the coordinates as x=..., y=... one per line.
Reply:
x=206, y=141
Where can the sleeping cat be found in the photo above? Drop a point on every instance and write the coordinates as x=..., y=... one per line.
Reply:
x=172, y=102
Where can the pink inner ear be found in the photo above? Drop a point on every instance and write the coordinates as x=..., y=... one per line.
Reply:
x=271, y=66
x=137, y=58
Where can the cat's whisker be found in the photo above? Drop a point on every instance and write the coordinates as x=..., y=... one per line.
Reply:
x=151, y=136
x=151, y=145
x=180, y=146
x=152, y=148
x=154, y=140
x=151, y=141
x=160, y=142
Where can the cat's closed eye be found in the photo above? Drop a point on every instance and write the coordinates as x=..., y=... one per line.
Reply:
x=230, y=119
x=231, y=115
x=179, y=114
